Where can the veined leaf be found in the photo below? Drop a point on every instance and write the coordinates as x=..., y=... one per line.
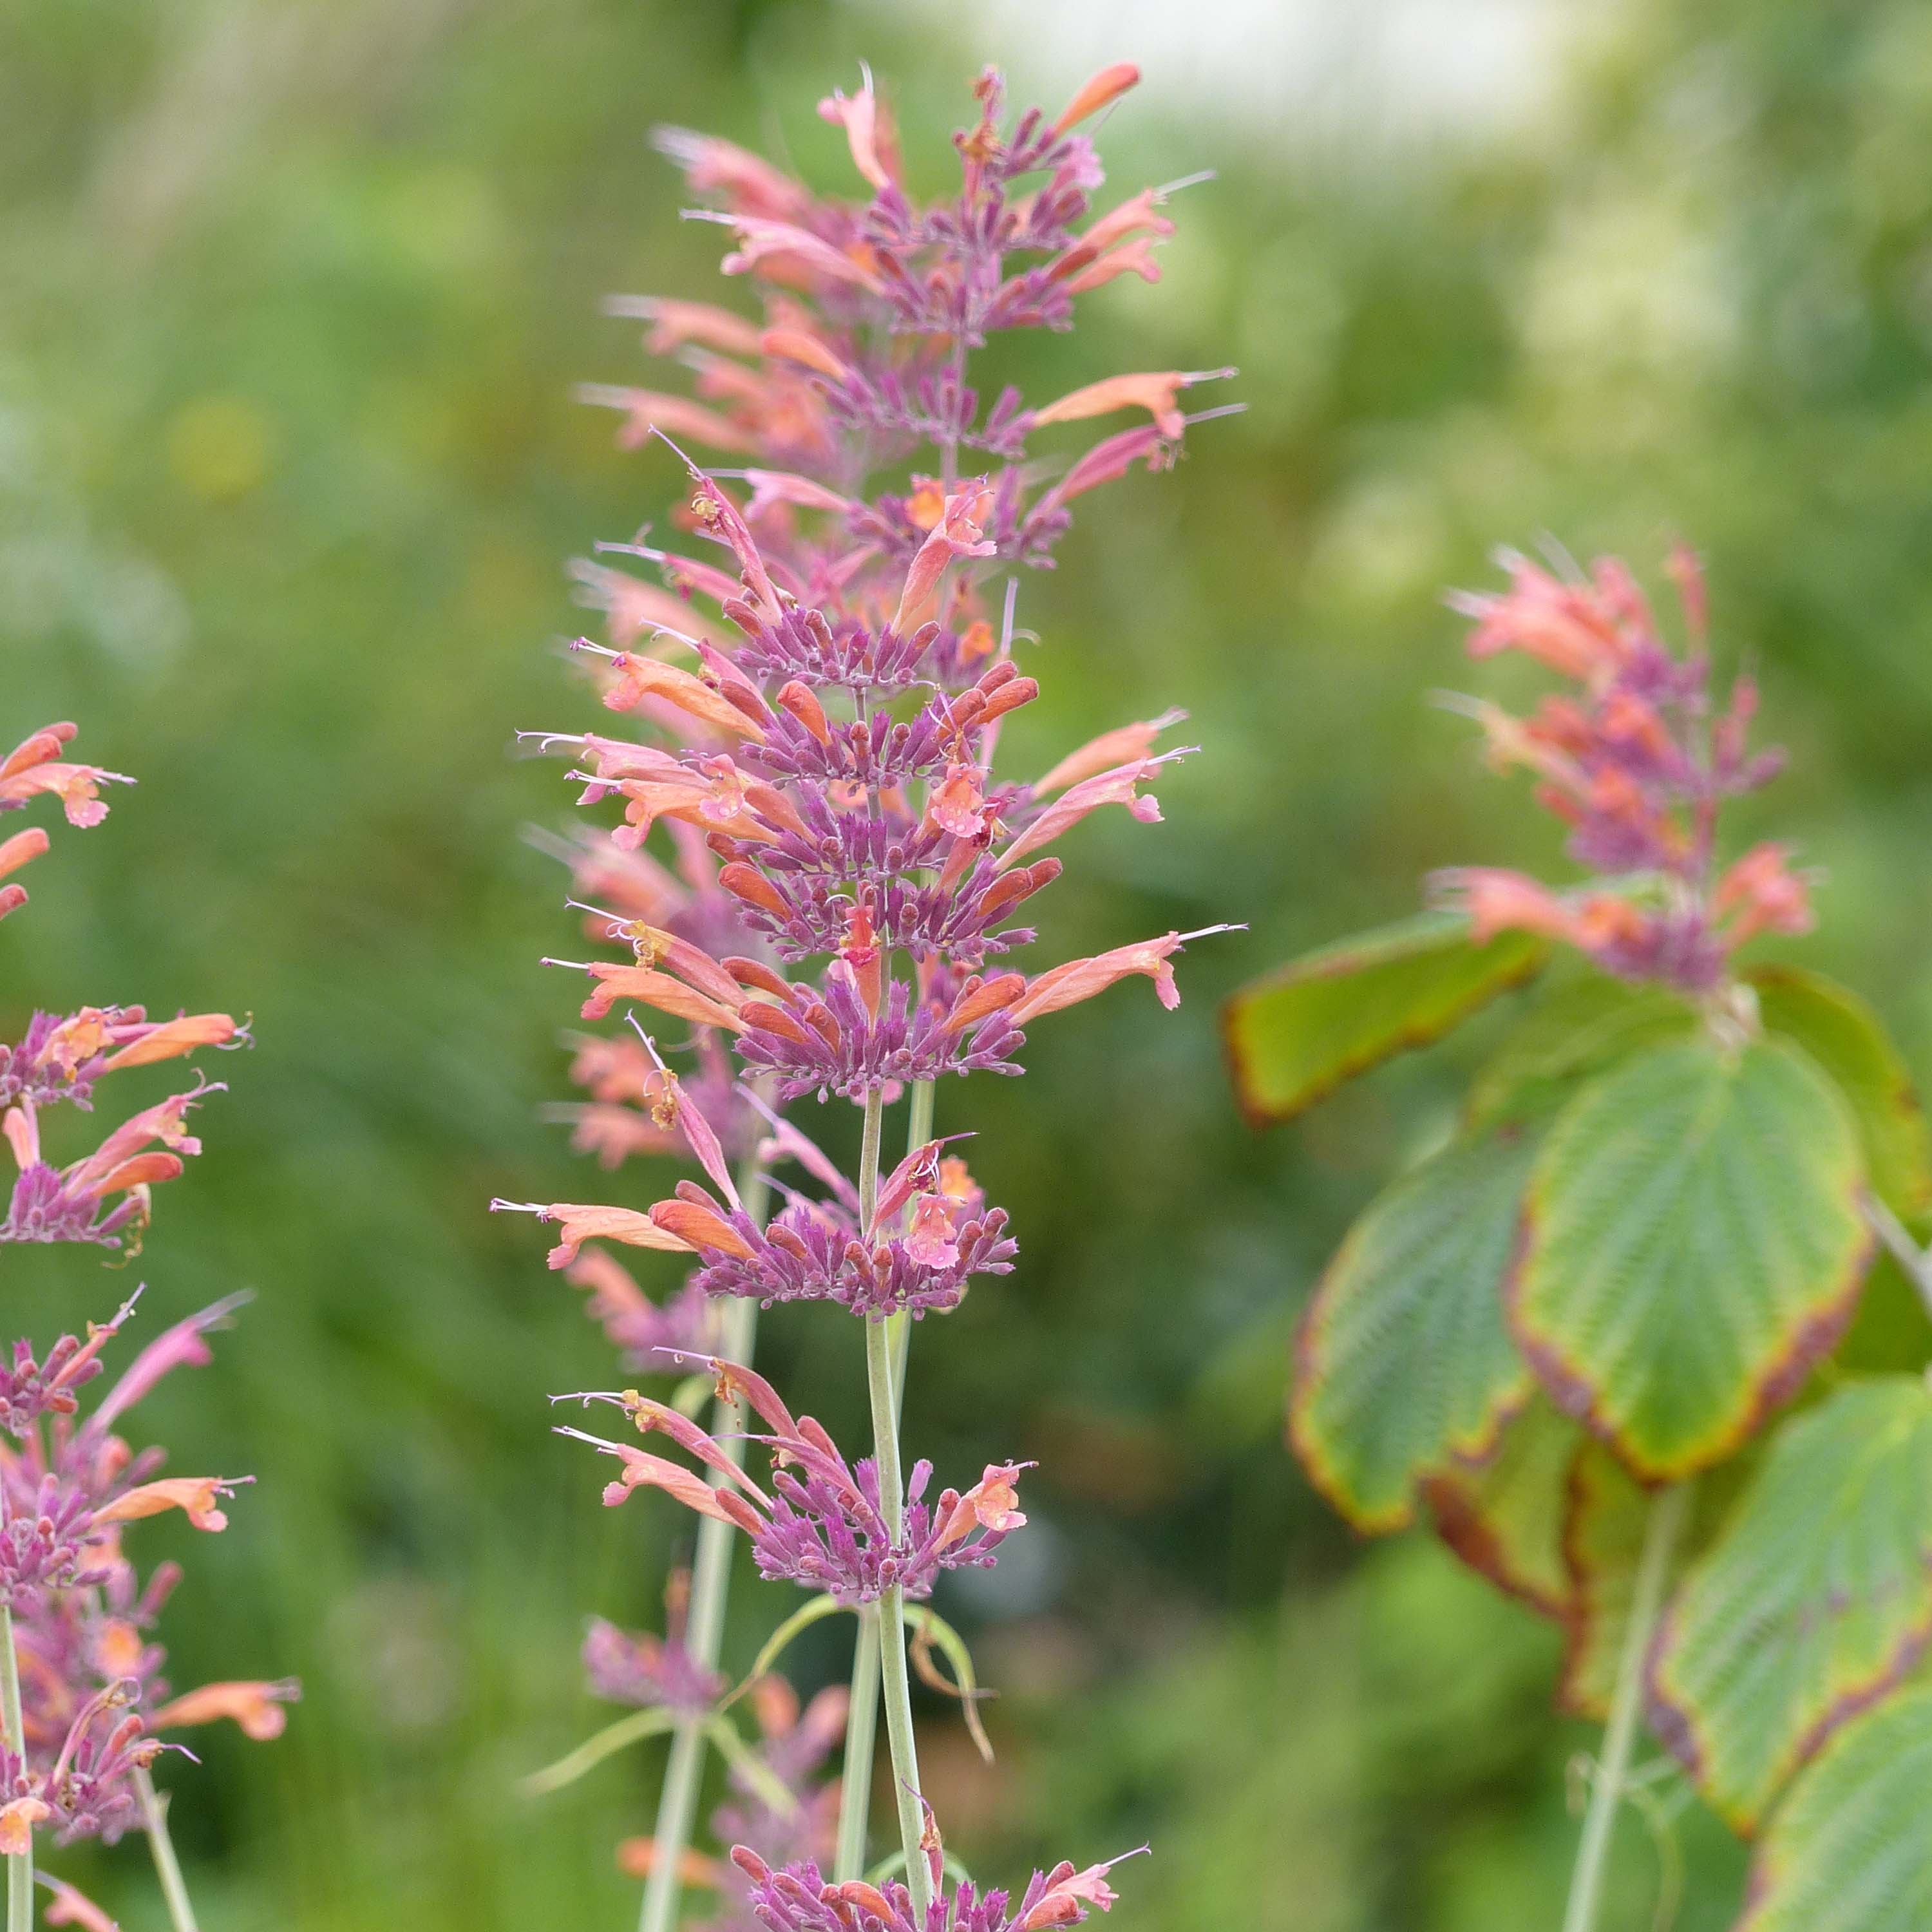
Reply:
x=1849, y=1042
x=1404, y=1367
x=1693, y=1239
x=1605, y=1513
x=1573, y=1032
x=1504, y=1518
x=1814, y=1602
x=1891, y=1332
x=1295, y=1036
x=1849, y=1850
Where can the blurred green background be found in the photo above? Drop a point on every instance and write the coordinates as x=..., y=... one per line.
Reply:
x=291, y=299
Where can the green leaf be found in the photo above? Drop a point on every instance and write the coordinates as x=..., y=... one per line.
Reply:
x=1295, y=1036
x=1573, y=1032
x=1891, y=1332
x=814, y=1609
x=629, y=1729
x=1814, y=1602
x=1849, y=1850
x=1603, y=1538
x=771, y=1789
x=1849, y=1042
x=1505, y=1518
x=1693, y=1240
x=929, y=1627
x=1403, y=1366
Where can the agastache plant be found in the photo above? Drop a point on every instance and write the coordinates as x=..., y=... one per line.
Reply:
x=83, y=1705
x=1650, y=1225
x=823, y=675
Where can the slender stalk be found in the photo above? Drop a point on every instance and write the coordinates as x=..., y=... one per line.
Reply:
x=862, y=1730
x=594, y=1750
x=862, y=1719
x=868, y=1162
x=704, y=1631
x=898, y=1327
x=1659, y=1541
x=20, y=1865
x=167, y=1867
x=894, y=1682
x=1915, y=1261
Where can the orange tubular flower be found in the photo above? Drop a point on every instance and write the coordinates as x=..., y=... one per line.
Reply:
x=587, y=1221
x=196, y=1497
x=1158, y=394
x=260, y=1709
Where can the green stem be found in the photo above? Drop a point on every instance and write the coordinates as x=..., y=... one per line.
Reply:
x=862, y=1719
x=20, y=1865
x=704, y=1637
x=1659, y=1541
x=895, y=1683
x=898, y=1327
x=167, y=1867
x=862, y=1730
x=594, y=1749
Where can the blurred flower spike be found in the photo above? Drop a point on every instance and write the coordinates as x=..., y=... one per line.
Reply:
x=36, y=768
x=1637, y=763
x=83, y=1701
x=93, y=1697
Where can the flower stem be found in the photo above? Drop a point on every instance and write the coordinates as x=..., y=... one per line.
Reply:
x=167, y=1867
x=895, y=1683
x=1659, y=1541
x=862, y=1719
x=710, y=1586
x=20, y=1864
x=862, y=1729
x=919, y=1131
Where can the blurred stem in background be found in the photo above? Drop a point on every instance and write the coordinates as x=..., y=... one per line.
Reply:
x=855, y=1792
x=710, y=1587
x=167, y=1867
x=1661, y=1535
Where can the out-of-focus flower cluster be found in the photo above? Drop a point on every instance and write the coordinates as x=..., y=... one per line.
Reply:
x=787, y=1761
x=1637, y=761
x=94, y=1703
x=820, y=1523
x=78, y=1616
x=653, y=1673
x=105, y=1197
x=36, y=768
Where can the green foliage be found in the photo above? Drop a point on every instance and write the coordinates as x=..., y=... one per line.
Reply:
x=1848, y=1851
x=1505, y=1517
x=1404, y=1368
x=1582, y=1026
x=1604, y=1518
x=1693, y=1241
x=1295, y=1036
x=1842, y=1034
x=1815, y=1600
